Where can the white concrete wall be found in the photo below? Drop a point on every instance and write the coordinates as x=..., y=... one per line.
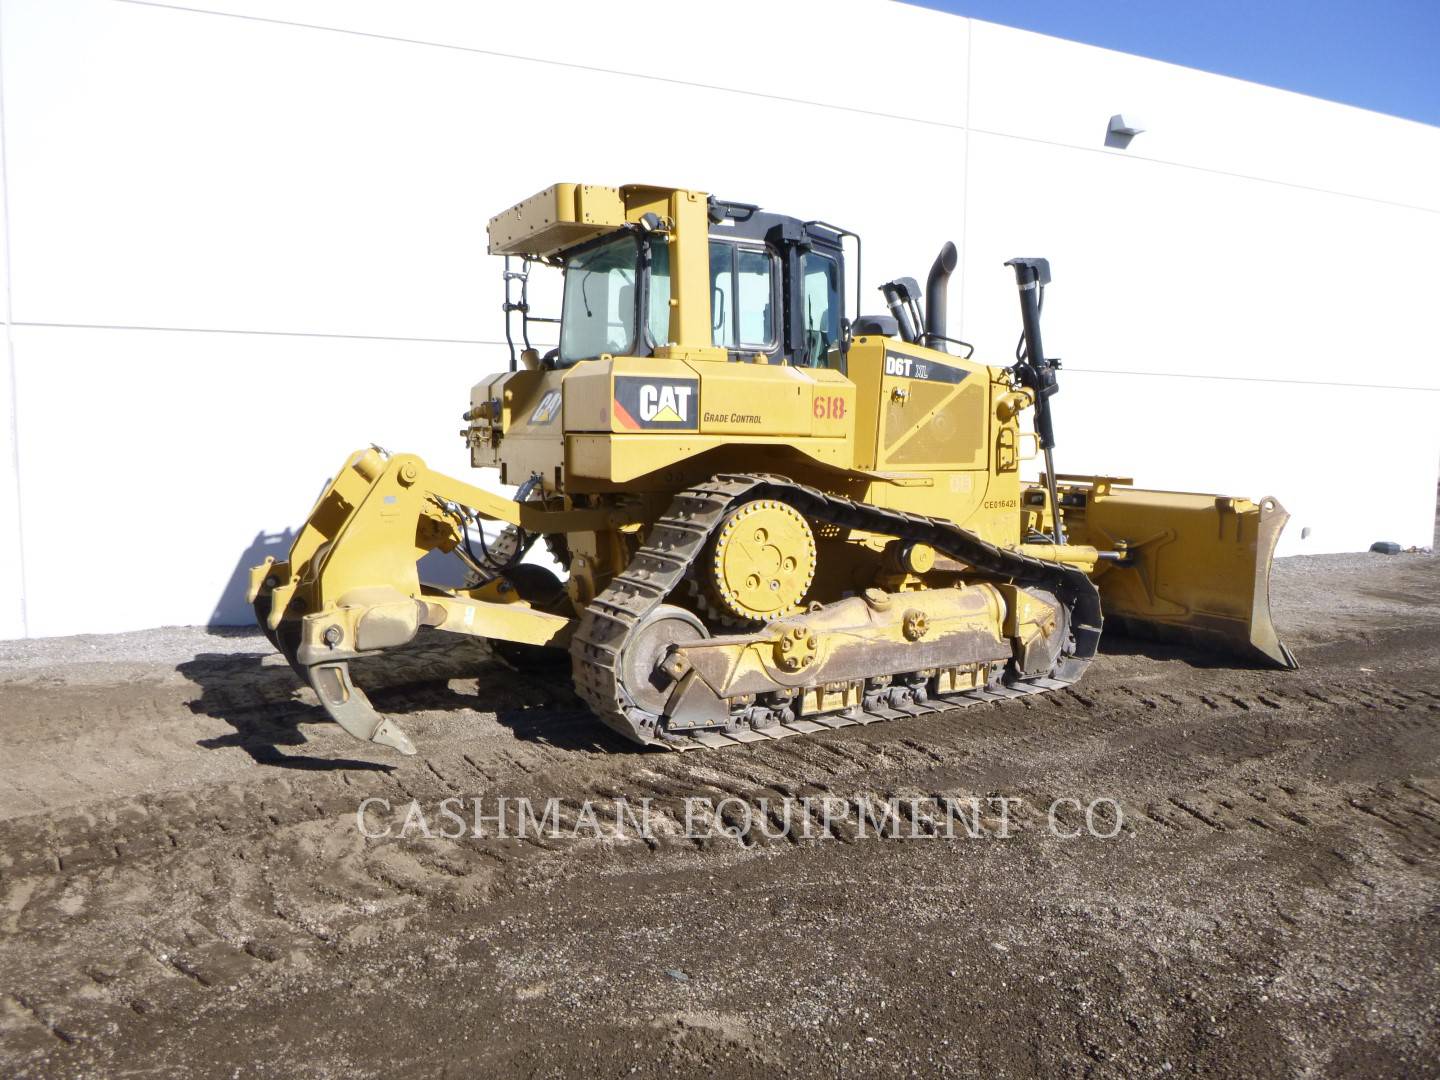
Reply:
x=240, y=241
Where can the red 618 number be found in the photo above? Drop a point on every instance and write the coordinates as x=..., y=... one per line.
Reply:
x=829, y=407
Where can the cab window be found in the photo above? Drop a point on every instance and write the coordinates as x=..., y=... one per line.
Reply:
x=598, y=312
x=742, y=313
x=819, y=307
x=658, y=319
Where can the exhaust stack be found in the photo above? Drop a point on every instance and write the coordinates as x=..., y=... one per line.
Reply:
x=936, y=286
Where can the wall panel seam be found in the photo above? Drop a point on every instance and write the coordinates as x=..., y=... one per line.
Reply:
x=500, y=344
x=1125, y=154
x=965, y=175
x=264, y=333
x=1252, y=379
x=500, y=54
x=14, y=410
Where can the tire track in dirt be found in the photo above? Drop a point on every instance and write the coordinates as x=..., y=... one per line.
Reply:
x=297, y=886
x=961, y=743
x=118, y=913
x=316, y=887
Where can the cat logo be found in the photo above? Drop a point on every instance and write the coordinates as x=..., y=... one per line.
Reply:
x=666, y=404
x=548, y=408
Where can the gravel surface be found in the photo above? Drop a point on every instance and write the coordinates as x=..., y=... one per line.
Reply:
x=184, y=889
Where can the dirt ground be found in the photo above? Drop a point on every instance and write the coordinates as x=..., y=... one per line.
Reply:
x=184, y=889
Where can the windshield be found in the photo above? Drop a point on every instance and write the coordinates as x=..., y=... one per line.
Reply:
x=600, y=302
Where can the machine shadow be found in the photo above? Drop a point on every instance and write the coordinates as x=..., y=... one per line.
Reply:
x=232, y=609
x=262, y=703
x=536, y=700
x=266, y=704
x=1113, y=643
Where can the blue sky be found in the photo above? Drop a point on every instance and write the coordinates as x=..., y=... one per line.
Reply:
x=1381, y=54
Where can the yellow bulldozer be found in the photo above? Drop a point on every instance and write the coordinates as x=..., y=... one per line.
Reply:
x=775, y=516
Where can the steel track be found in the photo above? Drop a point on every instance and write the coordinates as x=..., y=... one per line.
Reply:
x=676, y=541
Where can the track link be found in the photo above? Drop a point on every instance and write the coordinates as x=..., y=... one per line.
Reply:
x=676, y=541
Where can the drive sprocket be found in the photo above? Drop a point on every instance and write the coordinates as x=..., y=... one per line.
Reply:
x=761, y=561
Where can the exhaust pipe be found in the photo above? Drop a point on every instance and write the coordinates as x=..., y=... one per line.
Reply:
x=936, y=286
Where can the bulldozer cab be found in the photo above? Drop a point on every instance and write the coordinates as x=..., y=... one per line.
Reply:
x=776, y=285
x=775, y=292
x=772, y=286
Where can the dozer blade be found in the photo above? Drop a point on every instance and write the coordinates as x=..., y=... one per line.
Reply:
x=1195, y=568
